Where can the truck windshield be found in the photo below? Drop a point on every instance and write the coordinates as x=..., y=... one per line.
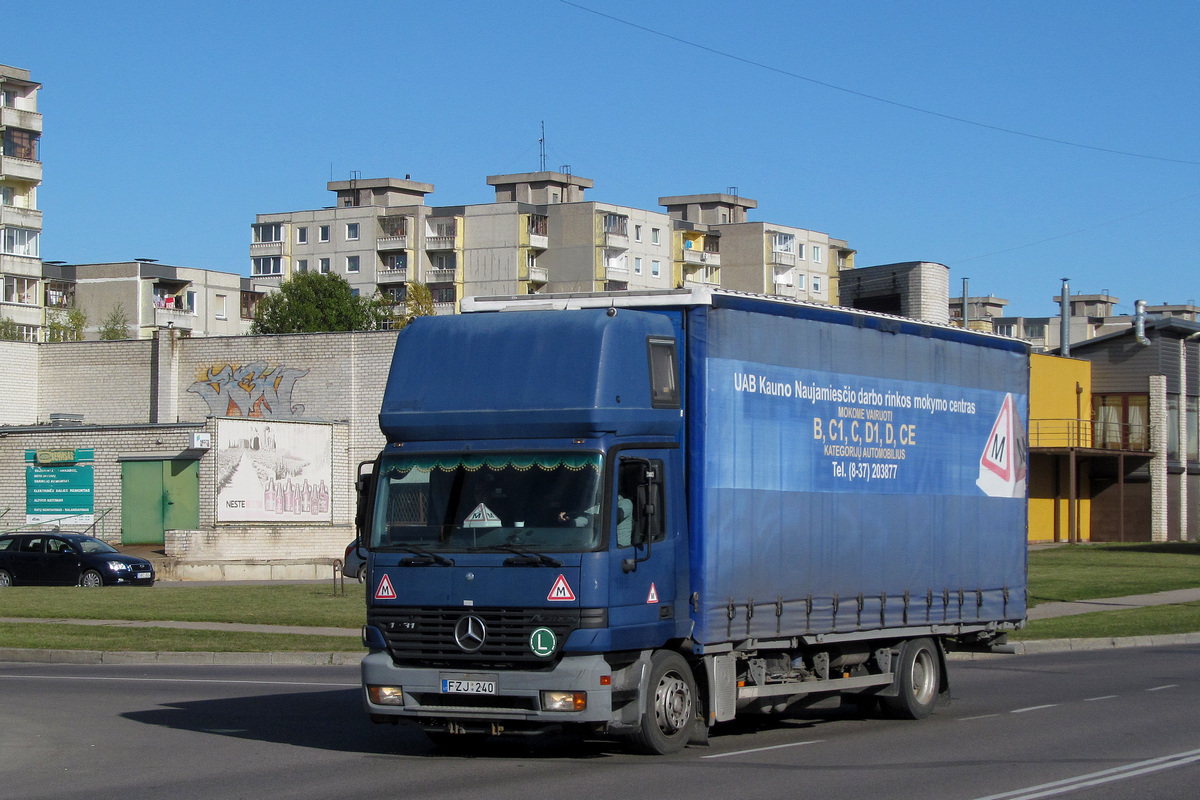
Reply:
x=547, y=502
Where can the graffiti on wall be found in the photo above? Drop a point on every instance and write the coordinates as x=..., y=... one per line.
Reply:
x=259, y=390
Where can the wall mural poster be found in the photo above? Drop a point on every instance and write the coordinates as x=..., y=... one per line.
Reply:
x=271, y=471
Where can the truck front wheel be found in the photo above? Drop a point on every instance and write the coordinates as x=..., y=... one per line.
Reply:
x=669, y=706
x=918, y=680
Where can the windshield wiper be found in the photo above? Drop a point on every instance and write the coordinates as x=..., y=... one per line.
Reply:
x=416, y=551
x=539, y=558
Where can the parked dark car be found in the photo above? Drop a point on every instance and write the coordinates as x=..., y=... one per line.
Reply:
x=69, y=559
x=353, y=564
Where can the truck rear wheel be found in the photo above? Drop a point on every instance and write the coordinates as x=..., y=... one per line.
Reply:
x=669, y=707
x=918, y=679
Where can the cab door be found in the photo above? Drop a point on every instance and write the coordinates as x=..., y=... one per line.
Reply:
x=645, y=545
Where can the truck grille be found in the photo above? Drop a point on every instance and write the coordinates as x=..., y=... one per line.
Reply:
x=425, y=636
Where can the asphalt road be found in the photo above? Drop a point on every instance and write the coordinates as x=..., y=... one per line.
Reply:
x=1100, y=725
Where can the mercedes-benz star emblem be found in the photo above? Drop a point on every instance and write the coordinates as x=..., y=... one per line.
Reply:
x=470, y=633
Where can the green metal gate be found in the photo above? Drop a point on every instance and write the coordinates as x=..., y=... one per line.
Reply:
x=157, y=496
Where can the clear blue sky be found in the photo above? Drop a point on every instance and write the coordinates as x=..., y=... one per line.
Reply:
x=169, y=126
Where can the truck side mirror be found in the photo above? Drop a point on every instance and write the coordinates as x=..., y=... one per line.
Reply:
x=646, y=509
x=364, y=489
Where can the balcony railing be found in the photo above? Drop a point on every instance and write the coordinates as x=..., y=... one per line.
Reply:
x=616, y=241
x=439, y=242
x=538, y=275
x=20, y=217
x=538, y=241
x=781, y=258
x=443, y=308
x=266, y=249
x=20, y=169
x=386, y=275
x=1068, y=433
x=439, y=276
x=392, y=242
x=20, y=118
x=701, y=257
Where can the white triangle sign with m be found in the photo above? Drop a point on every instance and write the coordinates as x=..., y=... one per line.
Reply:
x=561, y=590
x=385, y=590
x=1002, y=466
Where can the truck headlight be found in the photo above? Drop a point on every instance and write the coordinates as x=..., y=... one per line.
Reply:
x=386, y=695
x=564, y=701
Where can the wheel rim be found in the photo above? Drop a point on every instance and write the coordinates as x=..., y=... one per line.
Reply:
x=91, y=580
x=672, y=704
x=924, y=677
x=5, y=579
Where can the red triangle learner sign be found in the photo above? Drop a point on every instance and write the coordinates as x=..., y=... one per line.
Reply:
x=385, y=590
x=561, y=590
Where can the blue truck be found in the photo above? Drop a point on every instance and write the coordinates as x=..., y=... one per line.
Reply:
x=643, y=514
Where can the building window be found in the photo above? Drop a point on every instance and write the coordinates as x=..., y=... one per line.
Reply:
x=816, y=253
x=530, y=261
x=20, y=242
x=21, y=290
x=637, y=266
x=617, y=224
x=219, y=306
x=324, y=265
x=6, y=195
x=1034, y=330
x=1004, y=328
x=816, y=284
x=302, y=265
x=654, y=268
x=268, y=232
x=800, y=250
x=20, y=144
x=396, y=260
x=269, y=265
x=654, y=236
x=800, y=281
x=249, y=302
x=301, y=235
x=1121, y=421
x=60, y=294
x=323, y=233
x=637, y=233
x=351, y=231
x=351, y=263
x=443, y=294
x=783, y=243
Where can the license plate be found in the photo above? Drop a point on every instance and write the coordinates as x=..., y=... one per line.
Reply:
x=141, y=576
x=450, y=686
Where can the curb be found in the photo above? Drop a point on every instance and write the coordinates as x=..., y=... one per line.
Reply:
x=1033, y=647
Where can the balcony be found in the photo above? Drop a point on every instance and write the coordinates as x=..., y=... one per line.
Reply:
x=538, y=241
x=616, y=241
x=20, y=265
x=18, y=217
x=439, y=242
x=442, y=309
x=440, y=276
x=385, y=275
x=387, y=243
x=701, y=257
x=781, y=258
x=21, y=169
x=783, y=278
x=259, y=249
x=175, y=317
x=538, y=275
x=19, y=118
x=1062, y=434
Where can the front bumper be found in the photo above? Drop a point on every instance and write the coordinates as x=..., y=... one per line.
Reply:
x=611, y=694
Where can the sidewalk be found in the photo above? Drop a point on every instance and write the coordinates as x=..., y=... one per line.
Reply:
x=1043, y=611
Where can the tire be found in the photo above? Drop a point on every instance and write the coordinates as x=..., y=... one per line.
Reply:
x=669, y=707
x=5, y=579
x=91, y=579
x=361, y=576
x=919, y=670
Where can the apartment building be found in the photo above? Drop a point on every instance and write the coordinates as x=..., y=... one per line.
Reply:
x=541, y=234
x=720, y=246
x=20, y=219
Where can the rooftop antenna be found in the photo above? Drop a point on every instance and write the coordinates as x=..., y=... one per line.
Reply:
x=542, y=147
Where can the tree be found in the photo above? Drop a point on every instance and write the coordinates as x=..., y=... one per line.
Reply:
x=313, y=302
x=115, y=325
x=65, y=325
x=8, y=330
x=418, y=302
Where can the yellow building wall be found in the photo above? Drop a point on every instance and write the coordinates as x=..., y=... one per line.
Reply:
x=1060, y=411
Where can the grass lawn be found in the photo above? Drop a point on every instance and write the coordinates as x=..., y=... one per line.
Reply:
x=1084, y=572
x=1153, y=620
x=93, y=637
x=284, y=604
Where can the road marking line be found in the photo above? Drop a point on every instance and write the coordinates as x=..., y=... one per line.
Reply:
x=1160, y=688
x=981, y=716
x=169, y=680
x=1033, y=708
x=761, y=749
x=1104, y=697
x=1098, y=778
